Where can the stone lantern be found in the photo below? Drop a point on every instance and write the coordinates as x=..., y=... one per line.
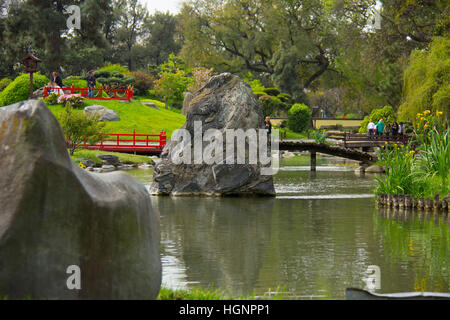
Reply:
x=31, y=64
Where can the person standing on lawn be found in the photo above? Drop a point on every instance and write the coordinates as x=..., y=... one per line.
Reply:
x=91, y=83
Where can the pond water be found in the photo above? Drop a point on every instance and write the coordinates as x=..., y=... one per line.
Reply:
x=316, y=238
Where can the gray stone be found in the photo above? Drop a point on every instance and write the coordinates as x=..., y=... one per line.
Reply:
x=151, y=105
x=109, y=159
x=225, y=102
x=104, y=114
x=186, y=102
x=55, y=214
x=86, y=162
x=39, y=93
x=375, y=169
x=108, y=168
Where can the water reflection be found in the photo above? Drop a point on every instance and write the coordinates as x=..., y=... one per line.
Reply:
x=317, y=237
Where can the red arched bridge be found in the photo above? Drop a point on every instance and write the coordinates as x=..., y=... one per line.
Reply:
x=128, y=143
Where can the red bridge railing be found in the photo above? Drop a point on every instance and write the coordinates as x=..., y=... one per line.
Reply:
x=99, y=93
x=128, y=142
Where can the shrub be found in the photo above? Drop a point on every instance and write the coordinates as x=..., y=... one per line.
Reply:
x=272, y=91
x=259, y=94
x=270, y=105
x=102, y=74
x=76, y=83
x=299, y=117
x=79, y=127
x=171, y=87
x=320, y=136
x=285, y=97
x=117, y=74
x=19, y=89
x=129, y=80
x=143, y=82
x=52, y=99
x=4, y=83
x=102, y=80
x=75, y=100
x=114, y=67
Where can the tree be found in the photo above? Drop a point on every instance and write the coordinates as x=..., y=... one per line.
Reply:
x=162, y=37
x=292, y=43
x=79, y=127
x=127, y=46
x=426, y=80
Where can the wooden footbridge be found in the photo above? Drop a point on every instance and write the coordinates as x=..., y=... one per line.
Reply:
x=345, y=145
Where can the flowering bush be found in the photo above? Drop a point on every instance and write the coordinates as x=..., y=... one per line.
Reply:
x=76, y=100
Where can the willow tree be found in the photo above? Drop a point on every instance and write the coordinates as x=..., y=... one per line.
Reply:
x=427, y=81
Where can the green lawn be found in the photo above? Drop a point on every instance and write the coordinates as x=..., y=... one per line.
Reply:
x=135, y=116
x=123, y=157
x=210, y=294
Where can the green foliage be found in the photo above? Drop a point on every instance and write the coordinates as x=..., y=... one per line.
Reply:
x=114, y=67
x=386, y=113
x=399, y=163
x=79, y=127
x=116, y=74
x=299, y=117
x=271, y=105
x=320, y=136
x=123, y=157
x=102, y=74
x=272, y=91
x=52, y=99
x=436, y=156
x=285, y=97
x=4, y=83
x=19, y=89
x=143, y=82
x=173, y=82
x=427, y=81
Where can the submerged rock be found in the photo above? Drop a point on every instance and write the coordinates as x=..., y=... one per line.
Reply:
x=55, y=216
x=225, y=102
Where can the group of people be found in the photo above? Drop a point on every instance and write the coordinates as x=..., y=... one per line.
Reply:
x=379, y=129
x=57, y=85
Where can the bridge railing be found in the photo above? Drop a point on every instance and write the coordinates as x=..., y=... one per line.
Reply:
x=98, y=93
x=127, y=142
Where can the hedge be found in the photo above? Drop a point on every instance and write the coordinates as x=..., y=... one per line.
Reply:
x=299, y=117
x=19, y=89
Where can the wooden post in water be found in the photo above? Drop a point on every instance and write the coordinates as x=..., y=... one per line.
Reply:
x=313, y=160
x=436, y=203
x=401, y=201
x=428, y=204
x=408, y=201
x=421, y=204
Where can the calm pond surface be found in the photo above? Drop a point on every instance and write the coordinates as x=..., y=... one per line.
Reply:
x=316, y=238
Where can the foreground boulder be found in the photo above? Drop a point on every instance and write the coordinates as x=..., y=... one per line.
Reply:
x=225, y=102
x=55, y=216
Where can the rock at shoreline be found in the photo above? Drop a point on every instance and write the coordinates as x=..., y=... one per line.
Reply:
x=109, y=159
x=56, y=215
x=225, y=102
x=375, y=169
x=104, y=113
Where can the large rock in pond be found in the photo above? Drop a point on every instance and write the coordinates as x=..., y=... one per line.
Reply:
x=225, y=102
x=56, y=218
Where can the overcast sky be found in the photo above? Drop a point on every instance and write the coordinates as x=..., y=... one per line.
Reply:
x=173, y=6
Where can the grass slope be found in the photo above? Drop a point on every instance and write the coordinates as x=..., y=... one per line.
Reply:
x=123, y=157
x=135, y=116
